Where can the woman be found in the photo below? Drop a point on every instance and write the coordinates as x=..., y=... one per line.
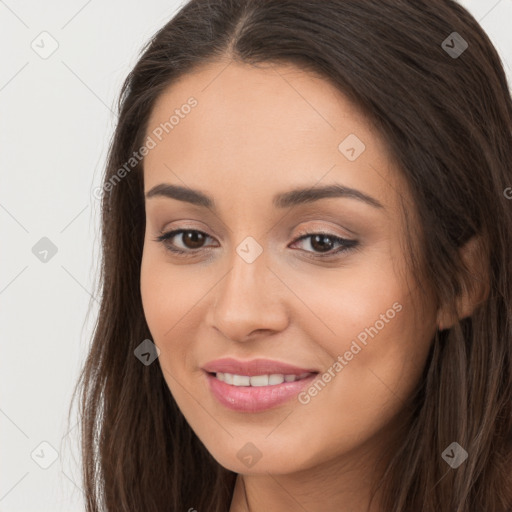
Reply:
x=306, y=279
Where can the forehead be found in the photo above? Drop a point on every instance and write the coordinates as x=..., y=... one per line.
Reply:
x=261, y=128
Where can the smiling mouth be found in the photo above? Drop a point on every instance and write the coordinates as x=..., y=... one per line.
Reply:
x=257, y=393
x=272, y=379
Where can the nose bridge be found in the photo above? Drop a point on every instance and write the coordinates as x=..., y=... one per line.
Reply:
x=246, y=279
x=244, y=301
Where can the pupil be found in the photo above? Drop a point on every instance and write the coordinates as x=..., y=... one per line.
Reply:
x=195, y=238
x=316, y=244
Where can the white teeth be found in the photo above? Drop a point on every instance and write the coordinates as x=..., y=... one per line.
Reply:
x=258, y=380
x=241, y=380
x=275, y=378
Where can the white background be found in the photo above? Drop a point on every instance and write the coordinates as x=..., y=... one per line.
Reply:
x=55, y=125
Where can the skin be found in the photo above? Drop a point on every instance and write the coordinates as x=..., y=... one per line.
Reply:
x=257, y=132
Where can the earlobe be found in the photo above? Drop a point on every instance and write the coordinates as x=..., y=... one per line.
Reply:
x=474, y=282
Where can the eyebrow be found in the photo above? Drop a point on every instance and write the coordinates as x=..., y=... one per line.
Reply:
x=283, y=200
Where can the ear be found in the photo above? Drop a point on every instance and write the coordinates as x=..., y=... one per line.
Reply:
x=475, y=283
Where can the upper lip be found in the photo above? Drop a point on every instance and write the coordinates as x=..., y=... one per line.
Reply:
x=254, y=367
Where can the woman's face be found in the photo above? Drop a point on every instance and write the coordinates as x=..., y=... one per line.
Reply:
x=262, y=275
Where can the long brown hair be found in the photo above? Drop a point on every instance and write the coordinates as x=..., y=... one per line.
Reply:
x=447, y=120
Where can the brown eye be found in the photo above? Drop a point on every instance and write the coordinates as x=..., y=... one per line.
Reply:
x=325, y=244
x=191, y=239
x=321, y=243
x=183, y=241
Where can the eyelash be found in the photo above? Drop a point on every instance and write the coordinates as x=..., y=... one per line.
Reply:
x=346, y=244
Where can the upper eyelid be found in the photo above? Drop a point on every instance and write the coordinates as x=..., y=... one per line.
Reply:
x=301, y=236
x=303, y=233
x=349, y=234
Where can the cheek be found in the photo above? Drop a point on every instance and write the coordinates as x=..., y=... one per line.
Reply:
x=368, y=317
x=173, y=299
x=168, y=293
x=344, y=303
x=163, y=302
x=158, y=300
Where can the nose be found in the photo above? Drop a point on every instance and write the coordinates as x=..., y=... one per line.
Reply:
x=248, y=301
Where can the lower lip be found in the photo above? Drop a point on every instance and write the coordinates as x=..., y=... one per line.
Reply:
x=255, y=398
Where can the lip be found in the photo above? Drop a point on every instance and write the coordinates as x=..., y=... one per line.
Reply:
x=258, y=398
x=254, y=367
x=255, y=399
